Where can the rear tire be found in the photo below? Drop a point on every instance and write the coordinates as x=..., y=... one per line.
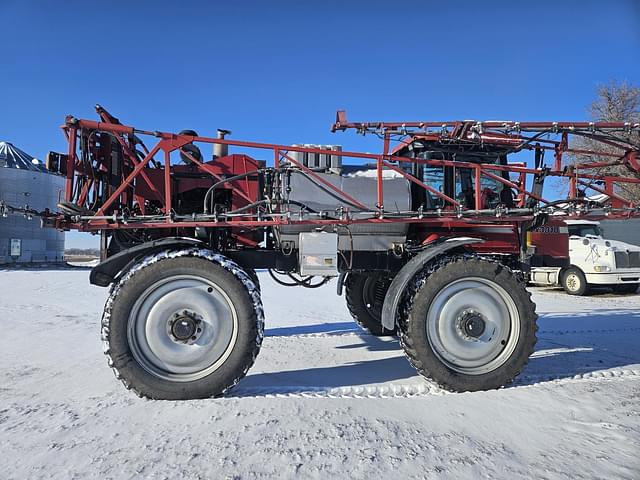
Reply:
x=183, y=325
x=469, y=324
x=254, y=277
x=365, y=296
x=574, y=282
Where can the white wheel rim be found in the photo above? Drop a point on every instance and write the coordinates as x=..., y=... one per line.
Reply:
x=150, y=334
x=459, y=305
x=573, y=282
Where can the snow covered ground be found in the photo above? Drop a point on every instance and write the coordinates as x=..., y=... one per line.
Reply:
x=323, y=400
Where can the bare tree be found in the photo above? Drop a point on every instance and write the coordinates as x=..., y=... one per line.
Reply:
x=615, y=102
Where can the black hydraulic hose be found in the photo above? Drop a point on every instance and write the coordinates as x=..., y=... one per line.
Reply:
x=298, y=282
x=280, y=282
x=263, y=202
x=226, y=180
x=307, y=283
x=300, y=204
x=248, y=207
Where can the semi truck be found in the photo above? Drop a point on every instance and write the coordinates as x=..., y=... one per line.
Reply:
x=576, y=255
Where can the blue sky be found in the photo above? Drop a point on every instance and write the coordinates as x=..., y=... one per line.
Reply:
x=277, y=71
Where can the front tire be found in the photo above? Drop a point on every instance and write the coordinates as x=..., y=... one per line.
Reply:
x=574, y=282
x=183, y=325
x=469, y=324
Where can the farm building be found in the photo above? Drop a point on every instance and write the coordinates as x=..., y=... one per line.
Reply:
x=24, y=181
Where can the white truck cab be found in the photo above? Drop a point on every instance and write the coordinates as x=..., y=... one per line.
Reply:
x=595, y=260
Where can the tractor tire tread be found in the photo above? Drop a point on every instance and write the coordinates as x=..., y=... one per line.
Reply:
x=452, y=381
x=126, y=277
x=354, y=284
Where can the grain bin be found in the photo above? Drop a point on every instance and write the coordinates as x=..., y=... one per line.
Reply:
x=24, y=181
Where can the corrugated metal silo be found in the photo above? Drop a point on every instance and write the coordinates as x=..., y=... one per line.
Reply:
x=25, y=182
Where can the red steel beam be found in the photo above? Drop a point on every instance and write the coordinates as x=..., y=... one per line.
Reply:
x=513, y=185
x=127, y=182
x=167, y=185
x=478, y=187
x=423, y=185
x=342, y=124
x=444, y=218
x=610, y=194
x=133, y=158
x=71, y=160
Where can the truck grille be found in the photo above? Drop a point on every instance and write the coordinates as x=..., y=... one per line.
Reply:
x=627, y=260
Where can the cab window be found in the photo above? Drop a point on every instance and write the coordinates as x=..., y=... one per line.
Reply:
x=584, y=230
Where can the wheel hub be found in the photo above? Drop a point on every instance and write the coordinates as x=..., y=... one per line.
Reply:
x=185, y=327
x=471, y=324
x=573, y=282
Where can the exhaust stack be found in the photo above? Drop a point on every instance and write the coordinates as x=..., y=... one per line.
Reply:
x=219, y=149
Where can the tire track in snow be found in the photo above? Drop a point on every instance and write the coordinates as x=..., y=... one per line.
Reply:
x=374, y=391
x=529, y=380
x=594, y=330
x=361, y=333
x=339, y=333
x=582, y=314
x=416, y=390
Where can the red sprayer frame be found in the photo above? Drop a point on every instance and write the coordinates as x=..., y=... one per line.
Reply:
x=157, y=184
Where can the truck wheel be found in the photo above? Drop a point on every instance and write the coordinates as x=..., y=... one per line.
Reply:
x=183, y=325
x=469, y=324
x=365, y=296
x=625, y=288
x=574, y=282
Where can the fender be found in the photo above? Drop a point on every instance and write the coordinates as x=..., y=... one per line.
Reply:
x=106, y=272
x=406, y=273
x=340, y=285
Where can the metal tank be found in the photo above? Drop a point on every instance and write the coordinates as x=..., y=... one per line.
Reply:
x=361, y=185
x=24, y=181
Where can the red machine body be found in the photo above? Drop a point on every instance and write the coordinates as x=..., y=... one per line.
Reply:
x=549, y=244
x=245, y=191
